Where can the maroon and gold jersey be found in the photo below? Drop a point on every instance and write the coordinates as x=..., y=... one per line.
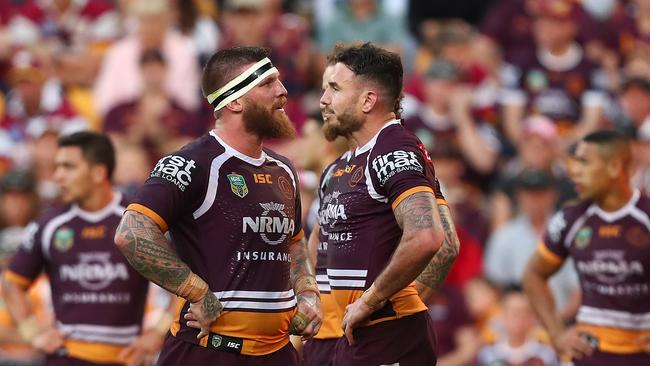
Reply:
x=358, y=193
x=611, y=252
x=232, y=218
x=98, y=298
x=332, y=315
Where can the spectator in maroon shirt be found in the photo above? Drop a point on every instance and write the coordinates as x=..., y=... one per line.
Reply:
x=154, y=119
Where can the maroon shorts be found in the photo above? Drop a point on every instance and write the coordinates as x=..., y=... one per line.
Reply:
x=599, y=358
x=176, y=352
x=54, y=360
x=318, y=352
x=409, y=341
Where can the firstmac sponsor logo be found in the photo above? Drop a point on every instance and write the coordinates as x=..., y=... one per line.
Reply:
x=387, y=165
x=176, y=169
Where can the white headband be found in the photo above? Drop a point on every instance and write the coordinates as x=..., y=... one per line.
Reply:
x=242, y=84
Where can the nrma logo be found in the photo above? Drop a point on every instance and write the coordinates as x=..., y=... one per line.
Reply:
x=273, y=221
x=95, y=271
x=175, y=169
x=332, y=212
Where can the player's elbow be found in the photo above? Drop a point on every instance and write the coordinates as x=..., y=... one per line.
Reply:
x=430, y=241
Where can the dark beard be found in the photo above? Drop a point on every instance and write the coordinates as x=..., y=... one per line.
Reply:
x=347, y=124
x=263, y=123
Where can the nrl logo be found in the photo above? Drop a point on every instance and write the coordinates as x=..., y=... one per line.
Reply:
x=238, y=185
x=216, y=341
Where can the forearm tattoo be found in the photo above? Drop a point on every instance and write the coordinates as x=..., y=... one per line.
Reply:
x=300, y=264
x=436, y=271
x=145, y=247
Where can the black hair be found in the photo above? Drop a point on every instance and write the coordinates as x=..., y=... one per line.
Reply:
x=378, y=66
x=611, y=143
x=96, y=148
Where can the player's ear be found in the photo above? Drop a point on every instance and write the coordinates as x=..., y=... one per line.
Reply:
x=369, y=101
x=615, y=167
x=235, y=106
x=98, y=173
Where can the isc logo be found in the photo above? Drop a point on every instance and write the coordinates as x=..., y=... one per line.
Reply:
x=175, y=169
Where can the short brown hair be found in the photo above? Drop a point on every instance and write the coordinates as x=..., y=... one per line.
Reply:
x=224, y=65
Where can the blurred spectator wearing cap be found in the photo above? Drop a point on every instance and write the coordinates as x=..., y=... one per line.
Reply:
x=510, y=246
x=120, y=79
x=555, y=78
x=519, y=346
x=35, y=105
x=539, y=149
x=154, y=120
x=445, y=115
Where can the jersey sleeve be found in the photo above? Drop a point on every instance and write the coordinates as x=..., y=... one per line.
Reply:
x=28, y=262
x=552, y=247
x=400, y=167
x=172, y=189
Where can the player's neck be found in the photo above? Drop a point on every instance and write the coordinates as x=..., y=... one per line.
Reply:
x=98, y=199
x=370, y=128
x=616, y=198
x=240, y=140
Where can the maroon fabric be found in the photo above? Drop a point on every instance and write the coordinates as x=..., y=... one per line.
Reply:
x=69, y=361
x=610, y=359
x=318, y=352
x=409, y=341
x=176, y=352
x=448, y=313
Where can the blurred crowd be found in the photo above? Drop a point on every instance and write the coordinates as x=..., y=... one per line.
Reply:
x=497, y=91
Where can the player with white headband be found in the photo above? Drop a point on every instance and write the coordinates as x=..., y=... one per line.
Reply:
x=232, y=208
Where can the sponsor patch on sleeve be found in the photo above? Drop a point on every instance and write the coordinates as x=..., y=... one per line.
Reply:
x=175, y=169
x=394, y=162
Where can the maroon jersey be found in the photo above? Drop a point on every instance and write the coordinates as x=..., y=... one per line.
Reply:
x=232, y=218
x=357, y=195
x=560, y=91
x=89, y=276
x=611, y=252
x=332, y=316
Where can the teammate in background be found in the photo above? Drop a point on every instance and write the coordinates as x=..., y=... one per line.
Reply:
x=232, y=208
x=98, y=298
x=319, y=350
x=378, y=215
x=608, y=236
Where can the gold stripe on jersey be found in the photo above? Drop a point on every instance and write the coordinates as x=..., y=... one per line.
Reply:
x=253, y=327
x=17, y=279
x=332, y=318
x=551, y=257
x=298, y=236
x=441, y=201
x=616, y=340
x=150, y=214
x=93, y=352
x=409, y=192
x=405, y=302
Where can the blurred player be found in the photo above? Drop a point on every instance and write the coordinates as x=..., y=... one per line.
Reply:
x=608, y=236
x=232, y=209
x=98, y=298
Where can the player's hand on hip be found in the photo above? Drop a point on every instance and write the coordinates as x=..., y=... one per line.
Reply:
x=49, y=340
x=308, y=317
x=203, y=313
x=574, y=343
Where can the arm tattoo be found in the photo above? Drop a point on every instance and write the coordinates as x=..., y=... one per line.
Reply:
x=300, y=264
x=436, y=271
x=144, y=246
x=415, y=215
x=415, y=212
